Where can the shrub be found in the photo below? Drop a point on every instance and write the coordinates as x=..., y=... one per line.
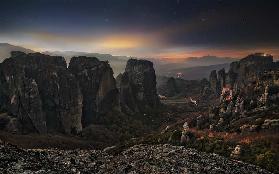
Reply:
x=268, y=160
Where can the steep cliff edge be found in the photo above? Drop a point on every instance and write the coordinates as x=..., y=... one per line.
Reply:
x=98, y=87
x=243, y=72
x=138, y=91
x=40, y=94
x=249, y=94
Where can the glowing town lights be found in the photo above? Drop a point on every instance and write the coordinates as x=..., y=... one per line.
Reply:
x=179, y=75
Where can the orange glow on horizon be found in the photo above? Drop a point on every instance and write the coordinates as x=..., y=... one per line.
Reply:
x=122, y=42
x=128, y=44
x=176, y=56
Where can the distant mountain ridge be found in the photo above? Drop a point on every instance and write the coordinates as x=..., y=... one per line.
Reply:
x=117, y=63
x=6, y=48
x=194, y=73
x=209, y=60
x=193, y=67
x=165, y=66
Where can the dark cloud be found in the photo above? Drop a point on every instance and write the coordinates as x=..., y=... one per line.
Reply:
x=176, y=23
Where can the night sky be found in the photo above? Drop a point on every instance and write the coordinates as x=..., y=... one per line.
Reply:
x=143, y=28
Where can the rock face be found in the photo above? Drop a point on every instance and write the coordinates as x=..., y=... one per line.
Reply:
x=137, y=159
x=171, y=87
x=214, y=82
x=138, y=87
x=249, y=69
x=40, y=93
x=243, y=72
x=250, y=88
x=98, y=87
x=222, y=78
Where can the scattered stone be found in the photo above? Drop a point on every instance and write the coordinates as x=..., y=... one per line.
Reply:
x=271, y=124
x=236, y=152
x=137, y=159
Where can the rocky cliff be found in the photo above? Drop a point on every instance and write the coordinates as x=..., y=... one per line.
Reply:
x=249, y=88
x=39, y=94
x=214, y=82
x=98, y=87
x=170, y=87
x=243, y=72
x=138, y=87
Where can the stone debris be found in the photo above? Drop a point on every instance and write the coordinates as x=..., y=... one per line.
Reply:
x=137, y=159
x=236, y=152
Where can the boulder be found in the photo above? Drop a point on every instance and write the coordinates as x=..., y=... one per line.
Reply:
x=271, y=124
x=236, y=152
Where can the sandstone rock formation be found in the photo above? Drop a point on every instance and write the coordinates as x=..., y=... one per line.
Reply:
x=138, y=87
x=176, y=87
x=222, y=78
x=214, y=82
x=40, y=93
x=251, y=87
x=243, y=72
x=171, y=87
x=98, y=87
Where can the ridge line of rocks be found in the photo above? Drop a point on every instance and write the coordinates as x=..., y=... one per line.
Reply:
x=39, y=93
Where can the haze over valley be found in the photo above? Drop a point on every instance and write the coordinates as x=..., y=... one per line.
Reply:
x=192, y=67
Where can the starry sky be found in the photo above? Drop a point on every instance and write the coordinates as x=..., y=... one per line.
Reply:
x=143, y=28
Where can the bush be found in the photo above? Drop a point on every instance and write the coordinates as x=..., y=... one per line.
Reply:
x=175, y=137
x=261, y=153
x=268, y=160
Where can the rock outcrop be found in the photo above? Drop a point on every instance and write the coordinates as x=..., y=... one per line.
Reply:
x=40, y=93
x=98, y=87
x=222, y=78
x=214, y=82
x=138, y=87
x=243, y=72
x=251, y=87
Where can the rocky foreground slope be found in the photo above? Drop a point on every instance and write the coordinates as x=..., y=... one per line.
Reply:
x=136, y=159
